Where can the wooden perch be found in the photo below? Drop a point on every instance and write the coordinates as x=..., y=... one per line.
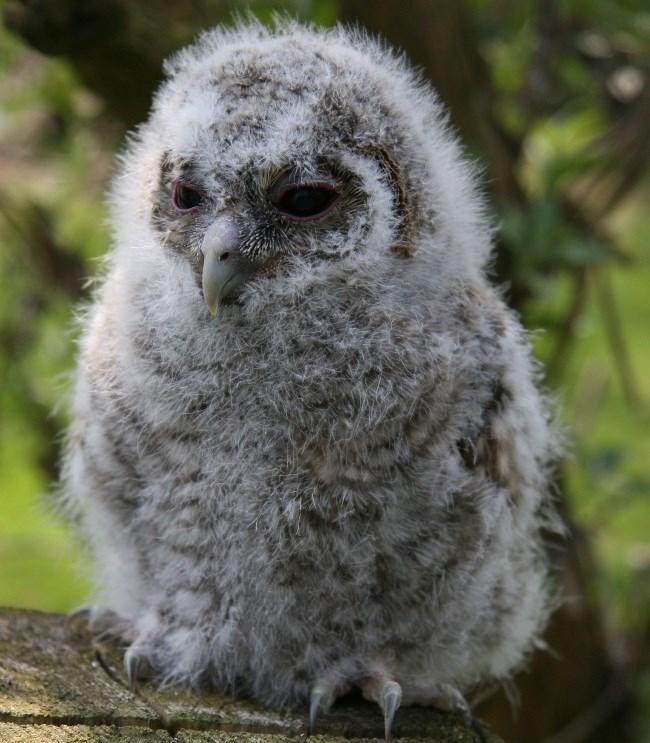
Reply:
x=56, y=685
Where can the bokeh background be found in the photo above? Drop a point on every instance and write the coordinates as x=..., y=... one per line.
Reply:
x=552, y=98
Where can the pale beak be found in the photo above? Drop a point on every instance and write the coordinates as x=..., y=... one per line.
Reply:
x=225, y=270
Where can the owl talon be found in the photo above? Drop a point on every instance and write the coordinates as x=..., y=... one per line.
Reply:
x=314, y=705
x=391, y=699
x=385, y=692
x=132, y=666
x=320, y=700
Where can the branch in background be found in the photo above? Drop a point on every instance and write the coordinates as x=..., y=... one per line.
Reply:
x=539, y=94
x=614, y=327
x=441, y=40
x=559, y=357
x=55, y=266
x=625, y=153
x=606, y=705
x=54, y=269
x=116, y=46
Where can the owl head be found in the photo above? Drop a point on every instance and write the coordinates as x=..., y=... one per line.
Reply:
x=277, y=156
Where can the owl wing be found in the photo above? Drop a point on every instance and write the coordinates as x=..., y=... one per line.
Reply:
x=492, y=447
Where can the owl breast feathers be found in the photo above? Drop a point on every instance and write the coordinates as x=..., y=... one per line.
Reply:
x=307, y=450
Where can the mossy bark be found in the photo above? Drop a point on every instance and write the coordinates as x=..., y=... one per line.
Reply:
x=58, y=686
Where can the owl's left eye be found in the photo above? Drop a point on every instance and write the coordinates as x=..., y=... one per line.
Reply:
x=305, y=201
x=186, y=197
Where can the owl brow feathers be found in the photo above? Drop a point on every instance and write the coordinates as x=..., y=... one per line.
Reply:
x=396, y=179
x=344, y=122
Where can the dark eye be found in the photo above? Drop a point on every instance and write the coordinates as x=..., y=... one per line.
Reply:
x=306, y=202
x=186, y=197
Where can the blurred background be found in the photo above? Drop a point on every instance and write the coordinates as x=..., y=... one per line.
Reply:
x=552, y=98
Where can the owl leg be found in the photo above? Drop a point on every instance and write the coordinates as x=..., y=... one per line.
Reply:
x=387, y=694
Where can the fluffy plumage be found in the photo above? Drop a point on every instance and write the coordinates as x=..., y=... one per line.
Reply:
x=341, y=478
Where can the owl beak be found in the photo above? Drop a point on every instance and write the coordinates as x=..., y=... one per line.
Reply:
x=225, y=270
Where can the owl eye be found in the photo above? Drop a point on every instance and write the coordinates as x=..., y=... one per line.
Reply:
x=304, y=202
x=186, y=197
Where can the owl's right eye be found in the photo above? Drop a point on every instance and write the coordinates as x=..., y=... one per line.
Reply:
x=186, y=196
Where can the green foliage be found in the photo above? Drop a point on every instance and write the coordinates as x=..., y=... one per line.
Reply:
x=52, y=178
x=555, y=94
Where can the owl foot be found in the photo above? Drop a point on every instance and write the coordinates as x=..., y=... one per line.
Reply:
x=107, y=625
x=449, y=699
x=388, y=695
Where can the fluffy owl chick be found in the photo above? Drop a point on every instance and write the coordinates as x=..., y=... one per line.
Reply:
x=307, y=452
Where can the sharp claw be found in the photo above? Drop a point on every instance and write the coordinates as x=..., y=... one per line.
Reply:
x=314, y=706
x=132, y=667
x=320, y=700
x=462, y=706
x=468, y=718
x=391, y=698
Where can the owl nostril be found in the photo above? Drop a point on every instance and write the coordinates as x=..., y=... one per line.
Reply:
x=224, y=256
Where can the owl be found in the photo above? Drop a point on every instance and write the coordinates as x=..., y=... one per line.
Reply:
x=307, y=452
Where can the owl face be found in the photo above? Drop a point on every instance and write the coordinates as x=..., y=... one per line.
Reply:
x=274, y=153
x=247, y=222
x=260, y=169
